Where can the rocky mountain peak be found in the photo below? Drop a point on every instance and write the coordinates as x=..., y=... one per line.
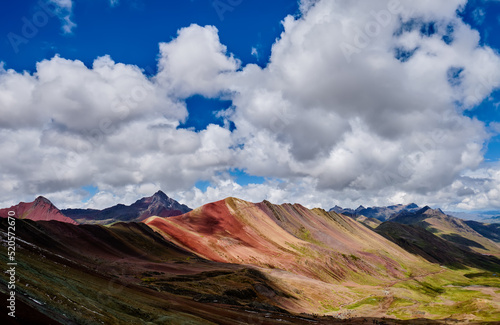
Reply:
x=161, y=195
x=42, y=201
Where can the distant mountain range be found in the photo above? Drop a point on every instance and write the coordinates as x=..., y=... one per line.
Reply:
x=474, y=235
x=481, y=216
x=379, y=213
x=157, y=205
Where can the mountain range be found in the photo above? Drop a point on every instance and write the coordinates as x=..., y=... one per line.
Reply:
x=158, y=204
x=481, y=216
x=236, y=262
x=379, y=213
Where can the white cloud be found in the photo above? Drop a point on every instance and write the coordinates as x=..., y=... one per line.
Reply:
x=495, y=127
x=195, y=62
x=375, y=122
x=68, y=126
x=377, y=126
x=64, y=11
x=255, y=52
x=479, y=15
x=68, y=95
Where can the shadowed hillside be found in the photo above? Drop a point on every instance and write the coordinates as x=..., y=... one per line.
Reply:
x=490, y=231
x=421, y=242
x=449, y=228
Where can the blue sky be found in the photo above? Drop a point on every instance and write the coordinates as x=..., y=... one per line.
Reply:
x=130, y=32
x=286, y=143
x=122, y=29
x=484, y=16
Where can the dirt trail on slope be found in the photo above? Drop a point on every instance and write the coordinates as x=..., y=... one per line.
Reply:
x=415, y=277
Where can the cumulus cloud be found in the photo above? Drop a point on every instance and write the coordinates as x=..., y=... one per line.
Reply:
x=360, y=103
x=68, y=95
x=195, y=62
x=108, y=125
x=370, y=119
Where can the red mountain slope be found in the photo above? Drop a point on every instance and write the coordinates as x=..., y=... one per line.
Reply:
x=314, y=243
x=40, y=209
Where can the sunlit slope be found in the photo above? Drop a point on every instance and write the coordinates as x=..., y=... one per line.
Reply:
x=314, y=243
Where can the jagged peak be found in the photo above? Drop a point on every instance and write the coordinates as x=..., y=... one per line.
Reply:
x=42, y=200
x=429, y=211
x=424, y=209
x=412, y=206
x=161, y=194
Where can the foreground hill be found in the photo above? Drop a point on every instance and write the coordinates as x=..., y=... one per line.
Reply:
x=449, y=228
x=128, y=274
x=157, y=205
x=315, y=243
x=324, y=258
x=236, y=262
x=40, y=209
